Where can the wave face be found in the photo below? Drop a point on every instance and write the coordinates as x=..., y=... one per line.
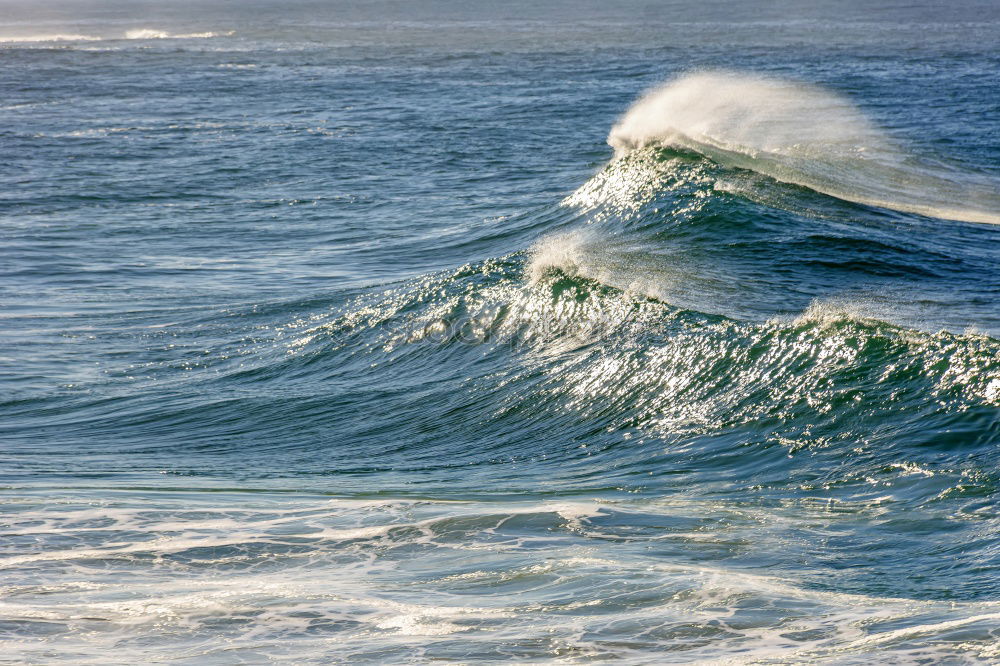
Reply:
x=349, y=340
x=803, y=135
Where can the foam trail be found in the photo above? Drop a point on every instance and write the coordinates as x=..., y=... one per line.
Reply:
x=804, y=135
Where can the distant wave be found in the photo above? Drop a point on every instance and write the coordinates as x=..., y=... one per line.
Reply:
x=57, y=37
x=804, y=135
x=149, y=33
x=138, y=33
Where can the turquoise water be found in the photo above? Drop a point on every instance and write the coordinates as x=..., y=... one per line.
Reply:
x=549, y=332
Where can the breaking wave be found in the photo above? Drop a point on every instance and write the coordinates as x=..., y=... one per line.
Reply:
x=804, y=135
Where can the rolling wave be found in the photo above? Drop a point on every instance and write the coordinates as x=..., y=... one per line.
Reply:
x=803, y=135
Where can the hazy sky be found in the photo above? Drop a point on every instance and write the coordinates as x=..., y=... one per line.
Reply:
x=21, y=11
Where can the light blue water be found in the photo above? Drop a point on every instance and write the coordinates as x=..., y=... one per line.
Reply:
x=549, y=332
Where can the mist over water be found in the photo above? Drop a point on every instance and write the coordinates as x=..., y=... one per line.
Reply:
x=543, y=332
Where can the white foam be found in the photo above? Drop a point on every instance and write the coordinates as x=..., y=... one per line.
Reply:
x=562, y=581
x=153, y=33
x=562, y=252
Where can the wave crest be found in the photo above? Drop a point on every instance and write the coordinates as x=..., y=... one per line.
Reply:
x=748, y=114
x=804, y=135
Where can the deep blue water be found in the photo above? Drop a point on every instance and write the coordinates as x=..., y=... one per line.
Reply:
x=403, y=332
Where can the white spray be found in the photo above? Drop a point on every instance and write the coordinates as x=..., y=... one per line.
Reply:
x=801, y=134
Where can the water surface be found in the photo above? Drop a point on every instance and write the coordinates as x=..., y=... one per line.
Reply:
x=550, y=332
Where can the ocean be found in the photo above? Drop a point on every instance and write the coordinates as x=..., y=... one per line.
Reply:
x=533, y=332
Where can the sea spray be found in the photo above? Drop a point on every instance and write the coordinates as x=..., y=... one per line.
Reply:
x=750, y=114
x=804, y=135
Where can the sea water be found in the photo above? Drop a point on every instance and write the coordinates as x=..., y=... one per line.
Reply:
x=542, y=332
